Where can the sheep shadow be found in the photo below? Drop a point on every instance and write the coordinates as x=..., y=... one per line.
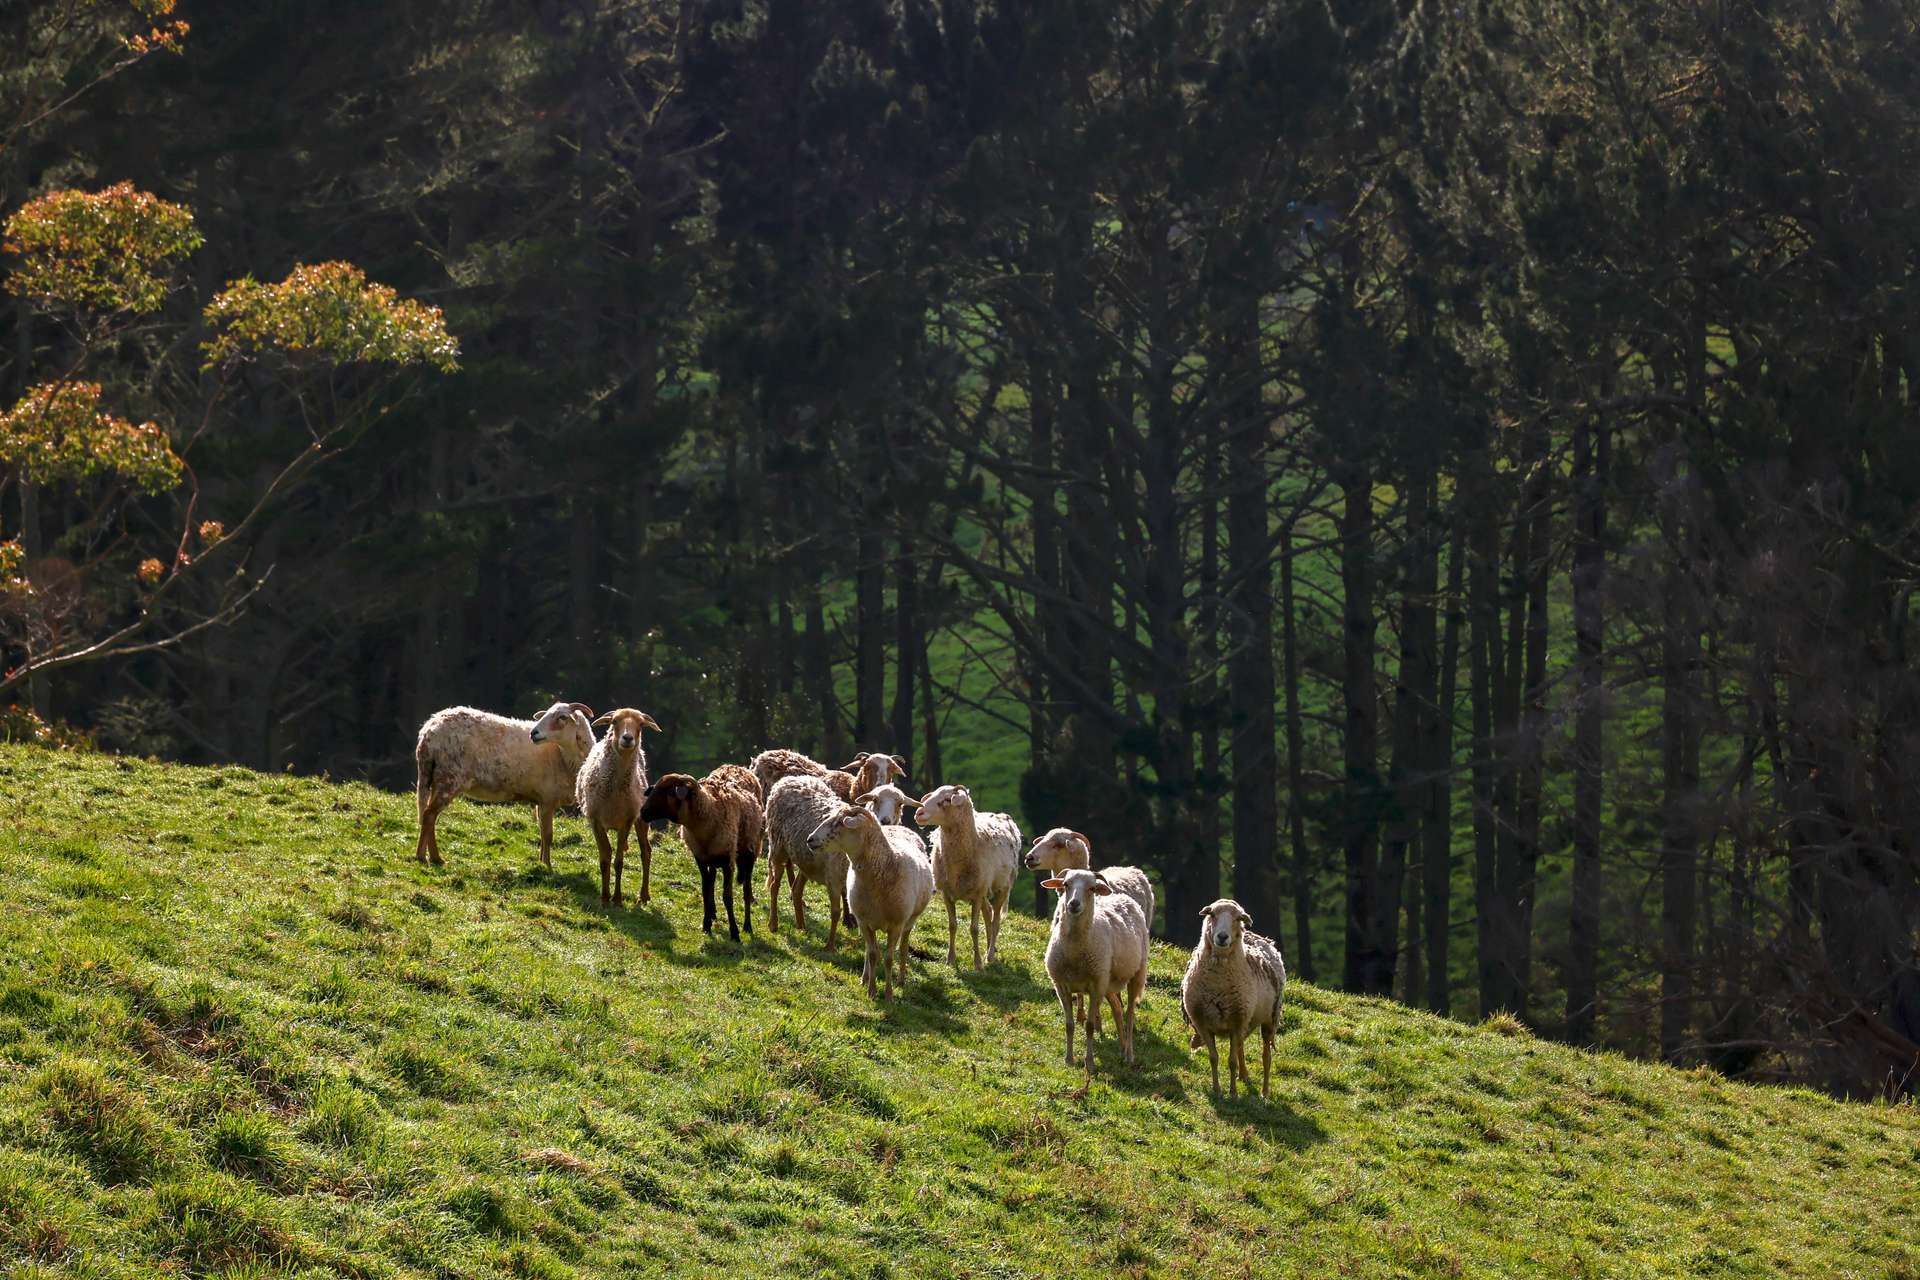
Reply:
x=1274, y=1119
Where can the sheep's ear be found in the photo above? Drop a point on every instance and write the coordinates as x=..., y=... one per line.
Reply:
x=1245, y=916
x=1102, y=887
x=603, y=721
x=896, y=770
x=962, y=788
x=863, y=797
x=648, y=722
x=1205, y=912
x=1054, y=883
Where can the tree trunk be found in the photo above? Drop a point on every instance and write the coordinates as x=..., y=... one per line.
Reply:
x=907, y=647
x=1590, y=468
x=1436, y=840
x=1484, y=661
x=1680, y=784
x=1296, y=788
x=1361, y=798
x=1250, y=679
x=1413, y=699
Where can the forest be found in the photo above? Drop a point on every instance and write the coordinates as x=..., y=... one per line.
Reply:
x=1431, y=473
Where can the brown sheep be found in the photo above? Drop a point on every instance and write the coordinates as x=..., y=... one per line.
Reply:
x=872, y=770
x=721, y=821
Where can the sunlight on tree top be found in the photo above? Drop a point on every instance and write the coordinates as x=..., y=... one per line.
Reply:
x=328, y=310
x=111, y=250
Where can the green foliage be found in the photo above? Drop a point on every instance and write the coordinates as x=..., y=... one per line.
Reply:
x=111, y=250
x=692, y=1107
x=327, y=312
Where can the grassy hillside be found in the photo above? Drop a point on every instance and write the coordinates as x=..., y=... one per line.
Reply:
x=241, y=1033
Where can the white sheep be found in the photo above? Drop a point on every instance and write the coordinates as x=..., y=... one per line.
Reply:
x=501, y=760
x=610, y=790
x=1234, y=982
x=887, y=803
x=889, y=884
x=796, y=807
x=974, y=860
x=770, y=766
x=1098, y=947
x=1064, y=850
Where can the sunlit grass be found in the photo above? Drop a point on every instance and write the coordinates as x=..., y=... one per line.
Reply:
x=242, y=1033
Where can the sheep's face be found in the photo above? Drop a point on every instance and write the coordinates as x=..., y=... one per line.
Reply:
x=1223, y=925
x=624, y=726
x=844, y=832
x=883, y=766
x=1078, y=890
x=1060, y=850
x=886, y=802
x=564, y=721
x=668, y=797
x=941, y=803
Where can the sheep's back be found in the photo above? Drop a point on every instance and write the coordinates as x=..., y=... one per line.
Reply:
x=1133, y=882
x=796, y=807
x=496, y=754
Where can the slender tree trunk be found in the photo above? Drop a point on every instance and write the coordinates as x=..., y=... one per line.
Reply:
x=1361, y=799
x=1296, y=787
x=1484, y=661
x=870, y=672
x=1590, y=468
x=907, y=645
x=1522, y=874
x=1250, y=676
x=1436, y=841
x=1680, y=784
x=1413, y=699
x=819, y=672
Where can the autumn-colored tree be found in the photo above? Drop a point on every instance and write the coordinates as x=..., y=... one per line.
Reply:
x=97, y=265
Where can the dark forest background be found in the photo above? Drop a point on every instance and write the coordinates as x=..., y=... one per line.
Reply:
x=1446, y=476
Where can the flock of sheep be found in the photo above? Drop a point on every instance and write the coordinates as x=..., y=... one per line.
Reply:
x=846, y=830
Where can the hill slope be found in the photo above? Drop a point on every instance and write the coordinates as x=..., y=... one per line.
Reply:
x=242, y=1033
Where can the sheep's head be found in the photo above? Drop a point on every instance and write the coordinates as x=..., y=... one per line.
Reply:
x=1060, y=850
x=950, y=801
x=886, y=802
x=879, y=767
x=1224, y=924
x=624, y=725
x=1078, y=889
x=844, y=832
x=668, y=797
x=567, y=722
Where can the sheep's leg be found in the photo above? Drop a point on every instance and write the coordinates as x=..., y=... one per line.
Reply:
x=1095, y=999
x=546, y=836
x=996, y=913
x=836, y=911
x=746, y=883
x=1213, y=1060
x=1266, y=1062
x=1068, y=1004
x=620, y=867
x=708, y=873
x=646, y=861
x=606, y=859
x=733, y=925
x=953, y=925
x=1136, y=987
x=1120, y=1027
x=867, y=978
x=1236, y=1064
x=774, y=869
x=906, y=936
x=797, y=886
x=428, y=847
x=973, y=923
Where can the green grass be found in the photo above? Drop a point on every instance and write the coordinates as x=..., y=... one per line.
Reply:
x=242, y=1034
